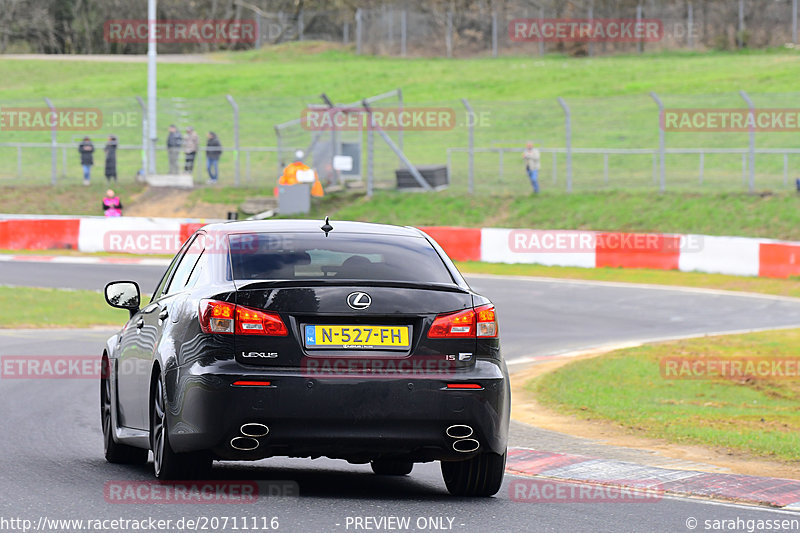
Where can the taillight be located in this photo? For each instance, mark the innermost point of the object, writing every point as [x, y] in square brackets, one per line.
[254, 322]
[471, 323]
[459, 324]
[216, 316]
[224, 317]
[487, 321]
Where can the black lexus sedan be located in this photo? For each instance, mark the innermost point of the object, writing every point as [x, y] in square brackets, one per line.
[346, 340]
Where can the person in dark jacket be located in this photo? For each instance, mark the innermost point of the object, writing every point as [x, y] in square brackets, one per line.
[174, 142]
[86, 149]
[213, 152]
[111, 158]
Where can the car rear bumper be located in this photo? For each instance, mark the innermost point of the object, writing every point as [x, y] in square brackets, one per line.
[355, 417]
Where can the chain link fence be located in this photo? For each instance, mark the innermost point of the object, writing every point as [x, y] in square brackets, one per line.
[614, 142]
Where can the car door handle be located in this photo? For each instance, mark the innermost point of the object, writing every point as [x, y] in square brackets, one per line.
[140, 323]
[163, 315]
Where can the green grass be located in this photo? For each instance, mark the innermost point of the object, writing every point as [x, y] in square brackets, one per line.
[44, 308]
[775, 216]
[283, 71]
[227, 195]
[515, 97]
[63, 199]
[779, 287]
[738, 214]
[755, 415]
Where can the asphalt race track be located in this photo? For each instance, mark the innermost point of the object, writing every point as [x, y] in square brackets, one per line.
[52, 465]
[537, 317]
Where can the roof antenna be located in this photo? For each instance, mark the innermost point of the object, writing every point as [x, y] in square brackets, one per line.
[327, 228]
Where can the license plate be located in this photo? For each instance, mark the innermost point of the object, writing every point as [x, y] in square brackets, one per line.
[358, 337]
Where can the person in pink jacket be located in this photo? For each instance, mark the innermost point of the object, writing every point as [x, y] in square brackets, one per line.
[112, 205]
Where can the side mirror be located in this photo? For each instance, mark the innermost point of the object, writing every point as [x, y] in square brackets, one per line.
[123, 294]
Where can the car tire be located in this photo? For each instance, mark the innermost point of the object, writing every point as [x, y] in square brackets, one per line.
[167, 464]
[114, 451]
[481, 475]
[389, 467]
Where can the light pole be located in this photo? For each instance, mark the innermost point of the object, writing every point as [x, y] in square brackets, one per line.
[151, 83]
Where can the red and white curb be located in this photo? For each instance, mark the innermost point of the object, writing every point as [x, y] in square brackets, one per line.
[775, 492]
[589, 249]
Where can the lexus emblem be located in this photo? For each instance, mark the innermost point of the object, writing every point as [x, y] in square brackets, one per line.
[359, 300]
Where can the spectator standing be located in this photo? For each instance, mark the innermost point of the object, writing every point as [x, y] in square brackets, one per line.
[111, 158]
[213, 152]
[86, 149]
[532, 163]
[190, 145]
[112, 205]
[174, 142]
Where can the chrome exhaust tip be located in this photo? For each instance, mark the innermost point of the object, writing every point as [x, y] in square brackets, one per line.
[244, 444]
[459, 431]
[466, 445]
[254, 429]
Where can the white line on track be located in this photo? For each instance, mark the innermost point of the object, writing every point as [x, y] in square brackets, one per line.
[633, 344]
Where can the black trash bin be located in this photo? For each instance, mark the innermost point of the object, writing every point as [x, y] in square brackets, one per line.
[435, 175]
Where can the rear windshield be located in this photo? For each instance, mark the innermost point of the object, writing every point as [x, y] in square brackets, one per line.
[348, 256]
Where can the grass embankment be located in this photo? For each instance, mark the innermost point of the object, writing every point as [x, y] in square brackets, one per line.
[757, 415]
[737, 214]
[515, 97]
[63, 199]
[286, 68]
[44, 308]
[68, 199]
[773, 216]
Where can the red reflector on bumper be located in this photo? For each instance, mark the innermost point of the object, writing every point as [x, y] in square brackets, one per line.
[252, 383]
[464, 386]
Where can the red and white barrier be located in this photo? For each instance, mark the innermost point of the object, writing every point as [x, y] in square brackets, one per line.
[39, 234]
[533, 247]
[738, 256]
[724, 255]
[689, 253]
[779, 260]
[134, 235]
